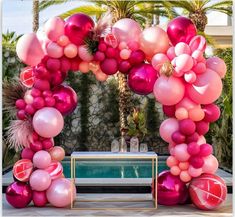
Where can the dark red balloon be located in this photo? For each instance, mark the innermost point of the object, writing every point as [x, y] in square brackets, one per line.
[18, 194]
[109, 66]
[141, 79]
[169, 110]
[137, 57]
[39, 198]
[65, 99]
[181, 29]
[78, 27]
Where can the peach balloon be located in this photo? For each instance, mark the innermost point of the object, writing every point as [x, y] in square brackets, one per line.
[184, 165]
[84, 54]
[194, 172]
[171, 53]
[218, 65]
[94, 66]
[187, 103]
[196, 114]
[171, 161]
[206, 89]
[54, 28]
[122, 45]
[181, 153]
[71, 50]
[175, 170]
[84, 67]
[190, 77]
[100, 76]
[57, 153]
[184, 62]
[63, 40]
[168, 127]
[210, 164]
[125, 54]
[158, 60]
[149, 38]
[201, 140]
[181, 113]
[185, 177]
[182, 48]
[54, 50]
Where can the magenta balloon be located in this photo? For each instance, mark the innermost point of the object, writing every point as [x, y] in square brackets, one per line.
[39, 198]
[29, 49]
[48, 122]
[18, 194]
[174, 87]
[167, 128]
[212, 112]
[187, 127]
[141, 79]
[169, 110]
[60, 193]
[171, 190]
[126, 30]
[40, 180]
[109, 66]
[202, 127]
[78, 27]
[181, 29]
[66, 99]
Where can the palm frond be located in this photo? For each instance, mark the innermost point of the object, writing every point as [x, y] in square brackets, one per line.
[48, 3]
[209, 39]
[185, 4]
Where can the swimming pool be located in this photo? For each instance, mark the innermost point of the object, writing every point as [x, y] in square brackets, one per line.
[112, 169]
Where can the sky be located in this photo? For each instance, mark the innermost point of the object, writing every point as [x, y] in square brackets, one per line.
[17, 15]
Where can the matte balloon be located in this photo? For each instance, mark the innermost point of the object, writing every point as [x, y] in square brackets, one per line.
[198, 42]
[167, 128]
[100, 76]
[158, 60]
[201, 140]
[48, 122]
[39, 198]
[187, 127]
[218, 65]
[178, 137]
[193, 148]
[184, 165]
[181, 153]
[63, 40]
[40, 180]
[199, 68]
[54, 50]
[196, 161]
[172, 161]
[71, 51]
[210, 164]
[205, 150]
[185, 176]
[175, 170]
[109, 66]
[194, 172]
[27, 153]
[184, 63]
[182, 48]
[190, 77]
[41, 159]
[187, 103]
[192, 138]
[57, 153]
[84, 67]
[196, 114]
[169, 110]
[171, 53]
[29, 49]
[54, 28]
[181, 113]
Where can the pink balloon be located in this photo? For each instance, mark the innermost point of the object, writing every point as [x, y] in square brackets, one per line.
[185, 176]
[39, 198]
[61, 192]
[29, 49]
[187, 104]
[210, 164]
[48, 122]
[43, 39]
[167, 128]
[41, 159]
[196, 161]
[198, 42]
[212, 112]
[182, 48]
[126, 30]
[171, 53]
[181, 153]
[181, 113]
[148, 39]
[71, 51]
[174, 87]
[84, 54]
[54, 50]
[40, 180]
[172, 161]
[194, 172]
[199, 68]
[190, 77]
[184, 62]
[187, 127]
[201, 140]
[54, 28]
[158, 60]
[218, 65]
[178, 137]
[206, 89]
[198, 55]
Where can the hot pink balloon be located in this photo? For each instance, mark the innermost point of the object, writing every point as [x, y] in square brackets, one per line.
[167, 128]
[181, 29]
[126, 30]
[212, 112]
[218, 65]
[39, 198]
[206, 89]
[210, 164]
[148, 39]
[40, 180]
[41, 159]
[181, 153]
[61, 192]
[174, 87]
[48, 122]
[29, 49]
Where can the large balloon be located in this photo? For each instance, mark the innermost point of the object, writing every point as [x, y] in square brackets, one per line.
[141, 79]
[167, 128]
[29, 49]
[206, 89]
[19, 194]
[48, 122]
[218, 65]
[78, 27]
[61, 192]
[149, 38]
[126, 30]
[181, 29]
[66, 99]
[172, 86]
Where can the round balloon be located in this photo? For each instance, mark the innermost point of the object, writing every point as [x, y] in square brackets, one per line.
[40, 180]
[167, 128]
[57, 153]
[22, 170]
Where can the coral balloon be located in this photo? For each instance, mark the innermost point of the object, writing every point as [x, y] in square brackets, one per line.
[41, 159]
[54, 28]
[22, 170]
[167, 128]
[172, 161]
[40, 180]
[84, 67]
[196, 114]
[39, 198]
[218, 65]
[181, 113]
[71, 51]
[184, 165]
[100, 76]
[175, 170]
[181, 153]
[185, 177]
[210, 164]
[57, 153]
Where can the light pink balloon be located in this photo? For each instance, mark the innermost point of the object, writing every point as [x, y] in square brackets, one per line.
[40, 180]
[182, 48]
[48, 122]
[197, 55]
[54, 28]
[44, 41]
[198, 42]
[184, 62]
[158, 60]
[201, 140]
[84, 54]
[126, 30]
[172, 86]
[41, 159]
[187, 104]
[54, 50]
[171, 53]
[28, 98]
[168, 127]
[206, 89]
[61, 192]
[149, 38]
[125, 54]
[181, 153]
[194, 172]
[29, 49]
[190, 77]
[210, 164]
[218, 65]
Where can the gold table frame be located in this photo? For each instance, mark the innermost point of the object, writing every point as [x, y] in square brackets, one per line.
[114, 156]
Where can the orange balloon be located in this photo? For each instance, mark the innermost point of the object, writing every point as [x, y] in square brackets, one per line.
[171, 161]
[84, 67]
[196, 114]
[175, 170]
[63, 40]
[181, 113]
[183, 165]
[57, 153]
[100, 76]
[71, 51]
[185, 177]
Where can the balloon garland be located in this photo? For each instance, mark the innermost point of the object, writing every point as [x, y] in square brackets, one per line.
[170, 64]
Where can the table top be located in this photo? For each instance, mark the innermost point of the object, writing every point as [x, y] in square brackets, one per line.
[114, 155]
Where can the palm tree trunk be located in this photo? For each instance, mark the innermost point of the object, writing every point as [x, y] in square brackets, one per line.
[35, 15]
[199, 19]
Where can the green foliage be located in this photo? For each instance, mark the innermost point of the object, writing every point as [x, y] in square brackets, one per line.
[152, 117]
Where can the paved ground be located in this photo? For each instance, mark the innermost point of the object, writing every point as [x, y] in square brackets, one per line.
[184, 210]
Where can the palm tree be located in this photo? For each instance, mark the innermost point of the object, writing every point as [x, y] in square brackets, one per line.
[35, 15]
[197, 10]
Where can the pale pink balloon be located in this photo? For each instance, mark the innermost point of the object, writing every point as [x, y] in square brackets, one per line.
[149, 38]
[44, 41]
[41, 159]
[54, 50]
[54, 28]
[206, 89]
[168, 127]
[210, 164]
[196, 114]
[158, 60]
[28, 98]
[175, 170]
[122, 45]
[171, 53]
[84, 54]
[198, 42]
[71, 50]
[184, 165]
[184, 62]
[194, 172]
[181, 153]
[126, 30]
[201, 140]
[181, 113]
[63, 40]
[40, 180]
[48, 122]
[29, 49]
[171, 147]
[182, 48]
[184, 176]
[172, 86]
[125, 54]
[197, 55]
[190, 77]
[61, 192]
[84, 67]
[187, 104]
[100, 76]
[218, 65]
[171, 161]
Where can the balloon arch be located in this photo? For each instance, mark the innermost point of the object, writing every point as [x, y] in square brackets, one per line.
[171, 64]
